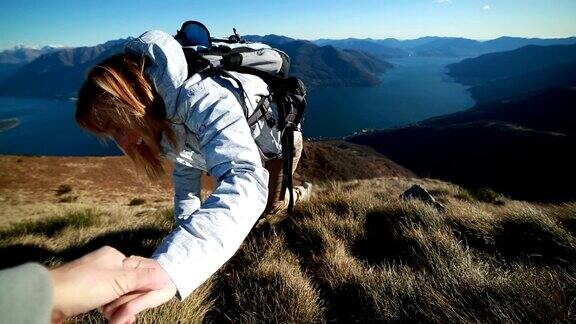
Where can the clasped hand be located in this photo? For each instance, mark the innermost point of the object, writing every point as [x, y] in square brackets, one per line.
[122, 287]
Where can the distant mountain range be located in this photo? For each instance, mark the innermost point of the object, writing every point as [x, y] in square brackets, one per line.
[387, 48]
[22, 54]
[528, 69]
[271, 39]
[327, 65]
[60, 73]
[12, 59]
[439, 46]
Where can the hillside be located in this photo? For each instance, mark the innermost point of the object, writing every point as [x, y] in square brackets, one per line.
[60, 73]
[458, 47]
[525, 71]
[449, 47]
[29, 185]
[12, 59]
[520, 147]
[22, 54]
[355, 252]
[549, 77]
[271, 39]
[507, 43]
[386, 49]
[497, 66]
[329, 66]
[551, 110]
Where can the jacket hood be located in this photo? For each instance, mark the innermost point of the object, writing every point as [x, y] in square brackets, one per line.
[167, 67]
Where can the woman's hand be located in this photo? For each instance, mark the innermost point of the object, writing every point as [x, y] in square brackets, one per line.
[98, 278]
[124, 309]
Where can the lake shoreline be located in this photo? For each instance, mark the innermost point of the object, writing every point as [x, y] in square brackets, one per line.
[9, 123]
[413, 90]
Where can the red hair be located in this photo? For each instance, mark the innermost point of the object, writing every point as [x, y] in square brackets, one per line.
[117, 95]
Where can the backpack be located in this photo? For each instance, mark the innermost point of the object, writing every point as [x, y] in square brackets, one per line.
[212, 56]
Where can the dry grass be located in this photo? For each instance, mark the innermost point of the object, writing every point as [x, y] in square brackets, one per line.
[355, 252]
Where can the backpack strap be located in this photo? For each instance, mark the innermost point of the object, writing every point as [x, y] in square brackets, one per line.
[260, 112]
[199, 64]
[287, 161]
[244, 96]
[196, 62]
[291, 105]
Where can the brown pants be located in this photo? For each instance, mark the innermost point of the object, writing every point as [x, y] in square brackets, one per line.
[278, 201]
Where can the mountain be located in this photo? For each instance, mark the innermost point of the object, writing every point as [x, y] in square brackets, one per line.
[449, 46]
[548, 77]
[22, 54]
[521, 146]
[272, 40]
[495, 66]
[528, 69]
[329, 66]
[411, 43]
[59, 74]
[12, 59]
[331, 160]
[440, 46]
[384, 48]
[503, 44]
[552, 111]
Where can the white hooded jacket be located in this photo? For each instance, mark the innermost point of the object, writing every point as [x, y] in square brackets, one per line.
[213, 135]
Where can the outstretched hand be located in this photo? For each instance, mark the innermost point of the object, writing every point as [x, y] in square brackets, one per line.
[98, 278]
[124, 309]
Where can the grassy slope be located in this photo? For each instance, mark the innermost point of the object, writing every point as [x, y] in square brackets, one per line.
[518, 147]
[29, 186]
[354, 252]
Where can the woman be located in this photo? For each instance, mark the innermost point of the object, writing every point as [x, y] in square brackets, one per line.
[143, 99]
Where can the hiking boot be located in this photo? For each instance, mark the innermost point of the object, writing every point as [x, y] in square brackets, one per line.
[306, 191]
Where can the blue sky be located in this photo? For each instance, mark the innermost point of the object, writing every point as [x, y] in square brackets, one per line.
[76, 23]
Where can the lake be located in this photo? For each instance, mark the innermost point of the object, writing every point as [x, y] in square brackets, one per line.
[47, 127]
[415, 89]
